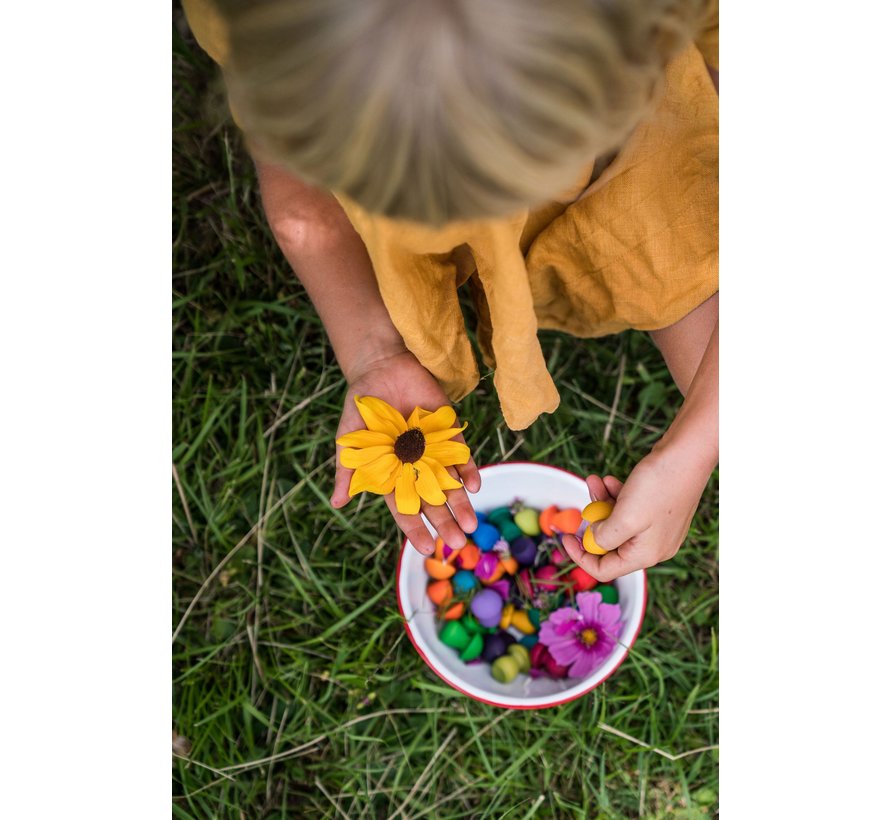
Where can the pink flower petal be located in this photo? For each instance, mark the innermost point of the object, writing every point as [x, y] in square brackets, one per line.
[568, 627]
[588, 604]
[603, 648]
[566, 651]
[547, 633]
[610, 619]
[584, 664]
[559, 616]
[560, 622]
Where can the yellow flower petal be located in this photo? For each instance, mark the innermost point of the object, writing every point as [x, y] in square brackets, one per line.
[390, 484]
[417, 414]
[380, 417]
[443, 418]
[448, 453]
[377, 477]
[443, 477]
[359, 458]
[407, 499]
[444, 435]
[365, 438]
[427, 486]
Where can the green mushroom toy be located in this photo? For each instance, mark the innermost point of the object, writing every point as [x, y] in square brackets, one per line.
[473, 649]
[454, 635]
[471, 625]
[500, 516]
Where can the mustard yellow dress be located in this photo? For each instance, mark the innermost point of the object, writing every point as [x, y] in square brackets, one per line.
[637, 248]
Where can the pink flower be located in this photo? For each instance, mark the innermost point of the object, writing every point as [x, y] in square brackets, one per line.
[582, 638]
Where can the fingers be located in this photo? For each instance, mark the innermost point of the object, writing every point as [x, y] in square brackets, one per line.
[340, 496]
[449, 521]
[589, 563]
[604, 568]
[604, 489]
[444, 524]
[597, 489]
[350, 420]
[620, 526]
[413, 528]
[460, 505]
[469, 473]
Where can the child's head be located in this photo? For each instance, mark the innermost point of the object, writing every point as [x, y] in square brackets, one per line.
[436, 110]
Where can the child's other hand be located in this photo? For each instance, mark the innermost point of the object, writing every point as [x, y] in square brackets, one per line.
[400, 380]
[651, 518]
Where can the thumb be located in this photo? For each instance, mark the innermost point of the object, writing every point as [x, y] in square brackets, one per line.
[620, 526]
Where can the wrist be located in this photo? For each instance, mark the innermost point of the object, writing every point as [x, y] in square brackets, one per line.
[690, 447]
[376, 352]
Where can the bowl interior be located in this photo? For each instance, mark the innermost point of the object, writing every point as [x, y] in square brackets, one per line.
[538, 486]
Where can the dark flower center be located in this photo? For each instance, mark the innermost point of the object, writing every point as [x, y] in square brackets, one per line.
[410, 445]
[588, 637]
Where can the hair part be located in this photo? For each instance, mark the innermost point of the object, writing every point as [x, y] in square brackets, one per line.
[438, 110]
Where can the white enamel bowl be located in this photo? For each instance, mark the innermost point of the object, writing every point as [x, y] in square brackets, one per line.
[538, 486]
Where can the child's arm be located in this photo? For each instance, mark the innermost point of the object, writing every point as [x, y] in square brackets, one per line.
[330, 260]
[654, 508]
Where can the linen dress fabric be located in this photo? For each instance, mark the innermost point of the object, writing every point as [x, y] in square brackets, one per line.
[636, 248]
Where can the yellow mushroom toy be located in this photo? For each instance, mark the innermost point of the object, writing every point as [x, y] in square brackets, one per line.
[595, 511]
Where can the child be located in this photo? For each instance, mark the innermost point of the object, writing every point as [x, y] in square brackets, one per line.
[560, 159]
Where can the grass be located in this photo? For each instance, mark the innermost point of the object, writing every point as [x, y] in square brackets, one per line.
[296, 692]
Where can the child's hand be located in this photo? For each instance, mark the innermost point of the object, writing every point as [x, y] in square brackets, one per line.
[401, 381]
[651, 518]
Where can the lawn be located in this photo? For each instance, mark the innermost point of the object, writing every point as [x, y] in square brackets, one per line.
[296, 691]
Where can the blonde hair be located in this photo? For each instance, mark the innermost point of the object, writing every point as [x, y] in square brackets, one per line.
[437, 110]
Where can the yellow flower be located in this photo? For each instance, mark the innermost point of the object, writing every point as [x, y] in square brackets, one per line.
[406, 455]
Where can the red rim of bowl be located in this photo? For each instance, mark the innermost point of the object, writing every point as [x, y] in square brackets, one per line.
[494, 702]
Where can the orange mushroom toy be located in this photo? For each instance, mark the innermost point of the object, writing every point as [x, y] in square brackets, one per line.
[438, 568]
[554, 519]
[454, 611]
[440, 592]
[468, 557]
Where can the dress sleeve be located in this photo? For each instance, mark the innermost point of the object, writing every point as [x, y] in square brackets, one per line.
[708, 38]
[208, 27]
